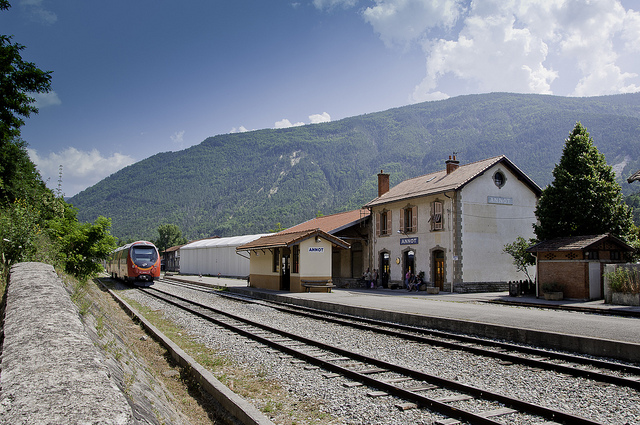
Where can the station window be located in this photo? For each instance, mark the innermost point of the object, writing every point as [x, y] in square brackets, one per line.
[409, 220]
[499, 179]
[295, 266]
[615, 255]
[384, 223]
[436, 216]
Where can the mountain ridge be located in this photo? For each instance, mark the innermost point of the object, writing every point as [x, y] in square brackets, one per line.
[242, 183]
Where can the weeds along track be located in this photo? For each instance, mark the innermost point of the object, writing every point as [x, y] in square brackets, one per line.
[414, 388]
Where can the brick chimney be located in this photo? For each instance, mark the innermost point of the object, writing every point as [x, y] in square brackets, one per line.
[452, 164]
[383, 183]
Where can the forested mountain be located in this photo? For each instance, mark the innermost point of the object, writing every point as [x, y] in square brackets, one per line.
[246, 183]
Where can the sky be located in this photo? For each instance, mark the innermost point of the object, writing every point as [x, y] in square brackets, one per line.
[137, 77]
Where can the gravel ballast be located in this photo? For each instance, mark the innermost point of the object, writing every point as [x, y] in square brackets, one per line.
[596, 401]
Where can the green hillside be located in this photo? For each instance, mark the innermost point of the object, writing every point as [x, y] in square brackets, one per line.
[245, 183]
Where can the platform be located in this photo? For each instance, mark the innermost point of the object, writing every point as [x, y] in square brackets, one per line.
[582, 330]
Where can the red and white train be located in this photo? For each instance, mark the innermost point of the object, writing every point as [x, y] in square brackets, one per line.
[136, 262]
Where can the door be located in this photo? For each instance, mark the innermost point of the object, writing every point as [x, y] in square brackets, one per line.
[595, 277]
[438, 269]
[285, 276]
[409, 265]
[384, 269]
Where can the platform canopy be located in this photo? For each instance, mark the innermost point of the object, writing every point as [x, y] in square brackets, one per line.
[287, 239]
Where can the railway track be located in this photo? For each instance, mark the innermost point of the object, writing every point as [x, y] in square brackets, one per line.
[601, 370]
[386, 378]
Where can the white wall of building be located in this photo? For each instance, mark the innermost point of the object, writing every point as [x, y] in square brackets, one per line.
[216, 256]
[491, 218]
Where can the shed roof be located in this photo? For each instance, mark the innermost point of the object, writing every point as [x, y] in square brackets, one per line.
[577, 243]
[216, 242]
[332, 223]
[440, 181]
[287, 239]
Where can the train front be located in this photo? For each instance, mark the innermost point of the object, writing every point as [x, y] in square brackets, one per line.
[144, 262]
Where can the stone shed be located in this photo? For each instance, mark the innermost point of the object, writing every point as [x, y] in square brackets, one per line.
[577, 263]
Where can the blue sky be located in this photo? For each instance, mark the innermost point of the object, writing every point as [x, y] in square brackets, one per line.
[138, 77]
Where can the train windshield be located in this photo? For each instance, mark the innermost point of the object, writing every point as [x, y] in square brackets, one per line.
[144, 256]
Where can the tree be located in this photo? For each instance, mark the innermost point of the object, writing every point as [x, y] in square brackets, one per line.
[17, 80]
[584, 197]
[170, 235]
[521, 258]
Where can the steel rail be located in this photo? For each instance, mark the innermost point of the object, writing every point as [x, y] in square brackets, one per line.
[450, 411]
[345, 319]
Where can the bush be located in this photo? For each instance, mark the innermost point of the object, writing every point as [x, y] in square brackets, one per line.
[624, 280]
[552, 287]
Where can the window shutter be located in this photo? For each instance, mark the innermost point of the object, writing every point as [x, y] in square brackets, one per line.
[414, 219]
[388, 222]
[379, 218]
[437, 214]
[402, 229]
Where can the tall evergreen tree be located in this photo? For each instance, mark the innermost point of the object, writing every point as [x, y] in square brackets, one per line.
[584, 197]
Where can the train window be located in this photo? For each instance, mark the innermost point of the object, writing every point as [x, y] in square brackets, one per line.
[143, 256]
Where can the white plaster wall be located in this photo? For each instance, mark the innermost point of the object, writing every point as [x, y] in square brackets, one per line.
[488, 227]
[315, 264]
[427, 239]
[262, 263]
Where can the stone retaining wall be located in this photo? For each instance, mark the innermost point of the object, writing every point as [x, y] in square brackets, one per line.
[51, 371]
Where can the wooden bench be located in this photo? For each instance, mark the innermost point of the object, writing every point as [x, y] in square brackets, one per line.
[317, 284]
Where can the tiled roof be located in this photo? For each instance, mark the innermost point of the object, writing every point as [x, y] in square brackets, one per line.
[286, 238]
[440, 181]
[635, 176]
[576, 243]
[332, 223]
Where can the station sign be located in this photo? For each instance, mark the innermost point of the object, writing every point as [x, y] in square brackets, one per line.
[316, 249]
[409, 241]
[499, 200]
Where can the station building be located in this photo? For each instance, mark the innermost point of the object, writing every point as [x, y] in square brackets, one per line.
[292, 260]
[347, 265]
[453, 225]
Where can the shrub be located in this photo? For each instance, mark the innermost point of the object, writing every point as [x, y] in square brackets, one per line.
[624, 280]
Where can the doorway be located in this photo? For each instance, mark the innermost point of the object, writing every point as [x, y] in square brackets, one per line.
[437, 264]
[385, 268]
[285, 274]
[409, 260]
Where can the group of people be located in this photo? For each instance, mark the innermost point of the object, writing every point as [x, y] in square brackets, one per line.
[370, 279]
[411, 281]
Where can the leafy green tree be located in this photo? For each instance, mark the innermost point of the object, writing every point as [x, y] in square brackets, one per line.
[521, 258]
[584, 197]
[170, 235]
[17, 80]
[18, 230]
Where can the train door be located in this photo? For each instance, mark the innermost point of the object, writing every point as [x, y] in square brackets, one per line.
[437, 265]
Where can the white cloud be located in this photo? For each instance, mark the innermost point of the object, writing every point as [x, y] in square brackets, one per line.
[285, 123]
[46, 99]
[80, 169]
[178, 138]
[319, 118]
[240, 129]
[330, 4]
[38, 12]
[401, 21]
[566, 47]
